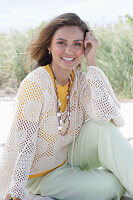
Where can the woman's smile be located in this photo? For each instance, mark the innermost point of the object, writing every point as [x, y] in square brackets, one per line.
[67, 48]
[68, 60]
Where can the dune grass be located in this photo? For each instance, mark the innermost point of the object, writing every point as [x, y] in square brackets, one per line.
[114, 57]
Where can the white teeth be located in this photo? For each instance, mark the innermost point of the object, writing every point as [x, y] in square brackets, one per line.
[68, 59]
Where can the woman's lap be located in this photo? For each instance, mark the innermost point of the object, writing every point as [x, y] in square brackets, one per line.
[94, 147]
[67, 184]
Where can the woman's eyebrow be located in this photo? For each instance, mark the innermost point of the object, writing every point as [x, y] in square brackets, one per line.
[61, 39]
[78, 40]
[73, 40]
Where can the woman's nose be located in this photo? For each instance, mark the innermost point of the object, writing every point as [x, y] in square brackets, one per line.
[68, 49]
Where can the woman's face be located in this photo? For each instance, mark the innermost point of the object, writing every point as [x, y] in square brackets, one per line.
[67, 47]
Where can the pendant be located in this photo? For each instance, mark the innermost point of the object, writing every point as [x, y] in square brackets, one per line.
[61, 122]
[59, 128]
[67, 97]
[58, 114]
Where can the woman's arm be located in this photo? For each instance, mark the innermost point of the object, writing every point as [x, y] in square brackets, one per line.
[90, 48]
[21, 144]
[100, 103]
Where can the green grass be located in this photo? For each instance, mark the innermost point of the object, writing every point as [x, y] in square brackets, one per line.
[114, 57]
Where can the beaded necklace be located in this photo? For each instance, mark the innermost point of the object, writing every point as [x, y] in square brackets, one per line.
[59, 114]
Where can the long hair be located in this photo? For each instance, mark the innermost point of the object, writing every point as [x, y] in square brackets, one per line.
[37, 49]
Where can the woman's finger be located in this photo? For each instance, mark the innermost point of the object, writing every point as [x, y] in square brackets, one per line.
[7, 196]
[90, 33]
[91, 40]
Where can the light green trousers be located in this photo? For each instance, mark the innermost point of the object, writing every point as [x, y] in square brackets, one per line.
[97, 145]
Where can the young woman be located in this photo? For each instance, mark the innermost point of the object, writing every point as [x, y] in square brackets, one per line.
[65, 125]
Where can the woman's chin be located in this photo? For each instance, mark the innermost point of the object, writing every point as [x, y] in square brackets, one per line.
[69, 65]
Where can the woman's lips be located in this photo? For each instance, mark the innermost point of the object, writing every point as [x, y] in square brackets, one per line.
[67, 60]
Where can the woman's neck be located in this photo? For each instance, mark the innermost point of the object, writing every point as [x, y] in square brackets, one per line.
[61, 75]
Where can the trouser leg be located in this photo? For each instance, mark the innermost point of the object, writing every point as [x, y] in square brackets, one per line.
[117, 154]
[66, 184]
[85, 152]
[104, 145]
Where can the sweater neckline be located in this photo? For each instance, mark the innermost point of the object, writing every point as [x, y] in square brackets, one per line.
[74, 87]
[47, 67]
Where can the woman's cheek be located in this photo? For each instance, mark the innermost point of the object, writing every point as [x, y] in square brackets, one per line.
[57, 50]
[80, 52]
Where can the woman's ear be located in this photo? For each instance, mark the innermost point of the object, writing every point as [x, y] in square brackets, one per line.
[49, 49]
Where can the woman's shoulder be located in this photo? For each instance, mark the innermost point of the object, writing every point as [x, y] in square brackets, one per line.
[93, 73]
[40, 73]
[38, 76]
[80, 75]
[81, 80]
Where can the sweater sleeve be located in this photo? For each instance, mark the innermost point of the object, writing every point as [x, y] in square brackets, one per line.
[99, 101]
[21, 143]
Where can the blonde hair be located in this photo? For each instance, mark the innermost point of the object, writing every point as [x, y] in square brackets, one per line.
[37, 49]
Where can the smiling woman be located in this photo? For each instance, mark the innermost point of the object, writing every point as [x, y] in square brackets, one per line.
[66, 52]
[65, 125]
[46, 36]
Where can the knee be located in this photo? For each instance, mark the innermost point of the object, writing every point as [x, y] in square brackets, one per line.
[90, 130]
[90, 125]
[95, 126]
[110, 130]
[109, 124]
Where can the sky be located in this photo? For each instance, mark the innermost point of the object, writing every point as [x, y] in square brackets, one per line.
[25, 14]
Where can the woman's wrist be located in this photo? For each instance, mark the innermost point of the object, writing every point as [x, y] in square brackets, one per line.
[91, 62]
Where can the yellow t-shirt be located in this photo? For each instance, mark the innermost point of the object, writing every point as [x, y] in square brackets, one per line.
[62, 90]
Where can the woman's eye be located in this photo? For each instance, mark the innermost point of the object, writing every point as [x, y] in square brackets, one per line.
[77, 44]
[61, 42]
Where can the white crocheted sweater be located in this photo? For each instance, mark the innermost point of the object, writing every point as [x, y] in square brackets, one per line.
[34, 145]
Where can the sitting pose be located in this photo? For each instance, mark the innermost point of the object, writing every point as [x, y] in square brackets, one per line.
[64, 142]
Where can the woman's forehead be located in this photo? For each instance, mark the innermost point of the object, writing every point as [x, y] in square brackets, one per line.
[65, 32]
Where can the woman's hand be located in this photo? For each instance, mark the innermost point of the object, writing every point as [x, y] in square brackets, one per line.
[91, 46]
[7, 197]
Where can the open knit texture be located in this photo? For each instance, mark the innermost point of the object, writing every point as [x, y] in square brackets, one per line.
[34, 145]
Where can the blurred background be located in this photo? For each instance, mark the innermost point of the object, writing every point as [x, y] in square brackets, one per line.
[112, 22]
